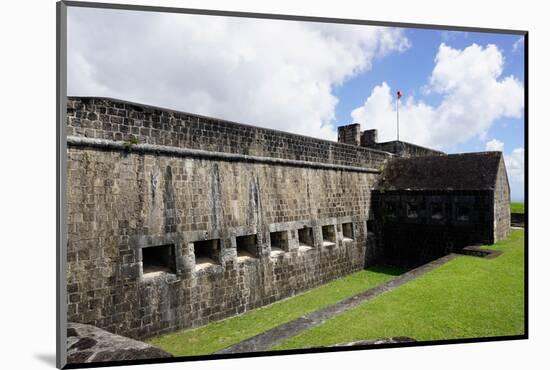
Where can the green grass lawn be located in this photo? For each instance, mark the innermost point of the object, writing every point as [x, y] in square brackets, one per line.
[468, 297]
[221, 334]
[517, 207]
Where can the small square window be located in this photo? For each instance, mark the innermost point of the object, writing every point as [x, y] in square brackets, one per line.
[329, 235]
[347, 231]
[463, 212]
[305, 237]
[412, 210]
[437, 210]
[391, 208]
[279, 241]
[158, 259]
[247, 246]
[207, 252]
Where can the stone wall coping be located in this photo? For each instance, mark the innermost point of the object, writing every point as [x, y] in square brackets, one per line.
[144, 148]
[174, 111]
[409, 144]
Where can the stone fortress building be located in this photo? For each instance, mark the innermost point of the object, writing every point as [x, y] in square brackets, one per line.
[176, 220]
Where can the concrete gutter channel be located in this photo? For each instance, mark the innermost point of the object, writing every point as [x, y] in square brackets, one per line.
[270, 338]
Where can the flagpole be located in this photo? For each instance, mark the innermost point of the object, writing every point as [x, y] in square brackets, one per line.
[397, 105]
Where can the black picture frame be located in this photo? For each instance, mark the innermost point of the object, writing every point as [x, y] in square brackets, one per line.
[61, 161]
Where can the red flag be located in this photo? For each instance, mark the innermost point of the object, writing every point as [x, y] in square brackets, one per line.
[399, 94]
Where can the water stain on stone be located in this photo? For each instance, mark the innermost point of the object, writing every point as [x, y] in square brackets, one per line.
[154, 183]
[216, 197]
[141, 182]
[169, 200]
[254, 206]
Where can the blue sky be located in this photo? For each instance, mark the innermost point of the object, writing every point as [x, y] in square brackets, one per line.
[410, 71]
[462, 91]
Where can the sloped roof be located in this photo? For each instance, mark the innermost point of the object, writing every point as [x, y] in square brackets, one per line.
[467, 171]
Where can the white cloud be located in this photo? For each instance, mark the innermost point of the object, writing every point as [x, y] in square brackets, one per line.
[494, 145]
[514, 162]
[473, 92]
[272, 73]
[451, 35]
[518, 44]
[514, 165]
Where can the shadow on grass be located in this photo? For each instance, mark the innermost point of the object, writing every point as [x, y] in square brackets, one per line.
[388, 269]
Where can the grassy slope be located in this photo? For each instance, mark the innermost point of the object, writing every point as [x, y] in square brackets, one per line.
[221, 334]
[517, 207]
[468, 297]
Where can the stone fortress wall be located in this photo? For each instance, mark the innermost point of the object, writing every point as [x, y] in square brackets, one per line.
[176, 220]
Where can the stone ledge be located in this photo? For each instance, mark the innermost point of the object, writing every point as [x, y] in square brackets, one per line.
[477, 251]
[75, 141]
